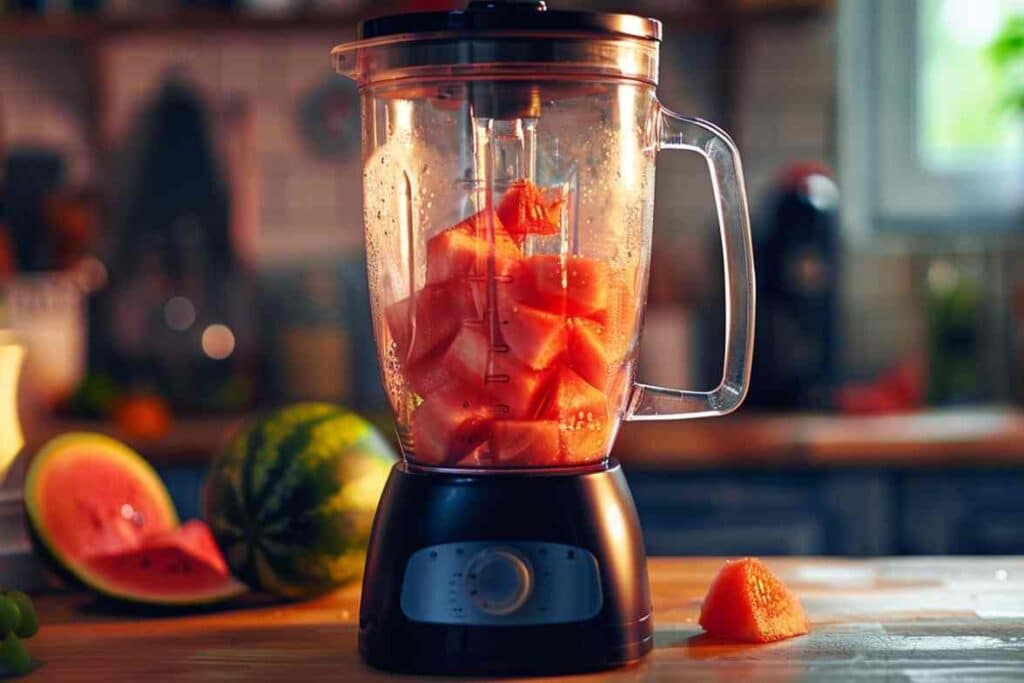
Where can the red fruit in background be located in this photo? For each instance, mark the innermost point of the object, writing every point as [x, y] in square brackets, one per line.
[427, 320]
[462, 251]
[573, 285]
[449, 424]
[747, 603]
[513, 389]
[144, 417]
[525, 210]
[585, 351]
[532, 443]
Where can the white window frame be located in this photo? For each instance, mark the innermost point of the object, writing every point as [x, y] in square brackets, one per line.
[885, 186]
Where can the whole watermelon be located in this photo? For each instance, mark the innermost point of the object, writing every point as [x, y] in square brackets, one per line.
[291, 501]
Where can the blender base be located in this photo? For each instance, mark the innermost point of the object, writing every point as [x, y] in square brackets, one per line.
[505, 573]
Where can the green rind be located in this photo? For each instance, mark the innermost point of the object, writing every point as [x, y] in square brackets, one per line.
[315, 458]
[231, 589]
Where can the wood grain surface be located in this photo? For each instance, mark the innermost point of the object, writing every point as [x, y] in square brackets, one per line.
[915, 619]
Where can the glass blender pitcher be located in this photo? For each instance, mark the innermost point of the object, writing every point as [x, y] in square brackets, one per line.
[509, 162]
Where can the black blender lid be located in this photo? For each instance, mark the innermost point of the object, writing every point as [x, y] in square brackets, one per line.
[512, 16]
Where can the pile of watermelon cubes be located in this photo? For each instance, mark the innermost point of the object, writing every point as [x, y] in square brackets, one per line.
[512, 354]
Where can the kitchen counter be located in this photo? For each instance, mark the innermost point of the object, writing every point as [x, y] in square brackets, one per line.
[952, 619]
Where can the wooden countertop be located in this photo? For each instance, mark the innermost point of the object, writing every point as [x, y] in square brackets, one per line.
[990, 437]
[951, 618]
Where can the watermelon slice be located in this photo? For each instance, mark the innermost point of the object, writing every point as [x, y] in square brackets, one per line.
[100, 512]
[747, 603]
[527, 443]
[428, 320]
[573, 285]
[183, 566]
[449, 424]
[512, 388]
[585, 351]
[525, 210]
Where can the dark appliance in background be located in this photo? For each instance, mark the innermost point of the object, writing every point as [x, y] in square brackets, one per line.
[797, 255]
[179, 316]
[796, 249]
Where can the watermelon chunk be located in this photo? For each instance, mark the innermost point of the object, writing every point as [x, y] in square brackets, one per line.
[422, 323]
[573, 285]
[449, 424]
[585, 351]
[513, 389]
[747, 603]
[528, 443]
[581, 410]
[462, 251]
[525, 210]
[535, 337]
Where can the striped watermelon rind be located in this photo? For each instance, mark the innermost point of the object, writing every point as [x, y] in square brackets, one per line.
[291, 500]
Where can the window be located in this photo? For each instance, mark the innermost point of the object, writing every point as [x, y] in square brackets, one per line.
[927, 139]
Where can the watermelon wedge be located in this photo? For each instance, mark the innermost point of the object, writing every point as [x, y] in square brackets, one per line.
[183, 566]
[747, 603]
[101, 514]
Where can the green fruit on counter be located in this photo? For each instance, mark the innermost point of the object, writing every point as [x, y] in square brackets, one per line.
[291, 500]
[14, 656]
[10, 616]
[28, 625]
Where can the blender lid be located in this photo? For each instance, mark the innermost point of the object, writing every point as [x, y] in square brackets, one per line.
[502, 41]
[530, 16]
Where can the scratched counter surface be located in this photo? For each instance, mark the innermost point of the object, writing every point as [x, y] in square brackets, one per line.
[922, 619]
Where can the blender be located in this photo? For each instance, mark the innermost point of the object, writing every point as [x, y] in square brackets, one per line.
[508, 181]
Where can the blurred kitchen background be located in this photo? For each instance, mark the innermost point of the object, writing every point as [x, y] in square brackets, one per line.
[181, 246]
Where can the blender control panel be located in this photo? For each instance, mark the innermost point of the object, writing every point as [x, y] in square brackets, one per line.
[506, 584]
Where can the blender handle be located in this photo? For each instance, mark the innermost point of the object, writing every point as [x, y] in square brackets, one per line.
[711, 142]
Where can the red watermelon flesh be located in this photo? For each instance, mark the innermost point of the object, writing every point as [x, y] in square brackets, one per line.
[461, 252]
[747, 603]
[525, 210]
[581, 411]
[586, 353]
[573, 285]
[87, 494]
[525, 443]
[448, 425]
[422, 323]
[181, 566]
[535, 337]
[514, 389]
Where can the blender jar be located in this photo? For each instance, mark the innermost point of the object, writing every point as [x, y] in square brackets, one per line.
[508, 176]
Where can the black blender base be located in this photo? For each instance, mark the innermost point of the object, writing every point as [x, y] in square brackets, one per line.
[577, 532]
